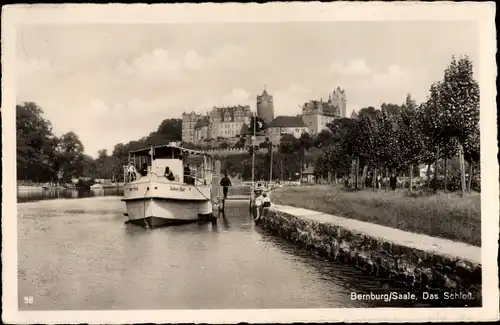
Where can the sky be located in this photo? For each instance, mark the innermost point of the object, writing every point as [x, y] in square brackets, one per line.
[116, 83]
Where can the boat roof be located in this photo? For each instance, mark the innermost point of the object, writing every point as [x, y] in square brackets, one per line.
[165, 148]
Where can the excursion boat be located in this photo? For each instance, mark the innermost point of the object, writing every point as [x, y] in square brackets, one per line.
[162, 189]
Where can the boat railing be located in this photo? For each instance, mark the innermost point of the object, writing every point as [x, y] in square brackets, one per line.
[130, 174]
[197, 175]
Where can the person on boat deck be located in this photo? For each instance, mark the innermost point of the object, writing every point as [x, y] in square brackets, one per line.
[168, 174]
[225, 182]
[187, 175]
[131, 172]
[144, 169]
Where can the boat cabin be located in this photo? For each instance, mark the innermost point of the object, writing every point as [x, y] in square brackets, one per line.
[176, 164]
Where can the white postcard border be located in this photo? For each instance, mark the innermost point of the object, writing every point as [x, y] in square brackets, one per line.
[483, 13]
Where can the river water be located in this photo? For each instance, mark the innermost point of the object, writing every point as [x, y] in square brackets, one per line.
[76, 253]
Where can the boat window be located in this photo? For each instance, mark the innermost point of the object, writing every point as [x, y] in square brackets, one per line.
[167, 153]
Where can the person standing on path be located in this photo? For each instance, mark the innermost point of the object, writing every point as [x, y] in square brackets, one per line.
[378, 182]
[393, 181]
[261, 202]
[225, 182]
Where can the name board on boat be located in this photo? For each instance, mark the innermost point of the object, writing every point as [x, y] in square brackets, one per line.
[133, 188]
[177, 189]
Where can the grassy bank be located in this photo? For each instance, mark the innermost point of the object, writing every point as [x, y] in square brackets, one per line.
[444, 215]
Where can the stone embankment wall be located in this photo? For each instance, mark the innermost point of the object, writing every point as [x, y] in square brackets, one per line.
[418, 263]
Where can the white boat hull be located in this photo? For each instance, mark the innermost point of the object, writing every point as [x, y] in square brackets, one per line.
[168, 211]
[155, 202]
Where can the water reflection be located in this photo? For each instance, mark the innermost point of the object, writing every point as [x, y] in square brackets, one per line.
[225, 221]
[38, 195]
[332, 271]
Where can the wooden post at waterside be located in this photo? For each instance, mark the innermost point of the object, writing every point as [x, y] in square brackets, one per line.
[216, 184]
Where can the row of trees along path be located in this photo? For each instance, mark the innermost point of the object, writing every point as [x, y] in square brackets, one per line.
[445, 125]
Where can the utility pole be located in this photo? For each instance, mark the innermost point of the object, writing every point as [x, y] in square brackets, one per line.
[253, 149]
[271, 164]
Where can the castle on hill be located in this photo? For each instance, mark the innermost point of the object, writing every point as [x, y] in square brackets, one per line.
[230, 122]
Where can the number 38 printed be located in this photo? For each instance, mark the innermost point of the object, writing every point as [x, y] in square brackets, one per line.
[28, 300]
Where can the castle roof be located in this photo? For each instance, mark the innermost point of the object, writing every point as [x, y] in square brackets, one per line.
[286, 121]
[191, 113]
[354, 115]
[221, 111]
[264, 94]
[327, 107]
[204, 121]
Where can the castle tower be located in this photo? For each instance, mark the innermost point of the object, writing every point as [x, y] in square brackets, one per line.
[339, 99]
[188, 123]
[265, 106]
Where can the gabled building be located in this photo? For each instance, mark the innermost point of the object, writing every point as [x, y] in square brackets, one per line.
[226, 122]
[189, 121]
[202, 130]
[318, 113]
[308, 176]
[281, 125]
[220, 122]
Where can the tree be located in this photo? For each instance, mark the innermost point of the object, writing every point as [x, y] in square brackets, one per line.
[386, 143]
[459, 102]
[119, 151]
[306, 141]
[89, 167]
[371, 112]
[70, 155]
[431, 126]
[102, 154]
[392, 110]
[170, 129]
[288, 144]
[322, 138]
[472, 154]
[240, 144]
[35, 144]
[411, 141]
[363, 134]
[334, 159]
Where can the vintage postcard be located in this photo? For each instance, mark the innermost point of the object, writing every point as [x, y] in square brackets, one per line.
[259, 163]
